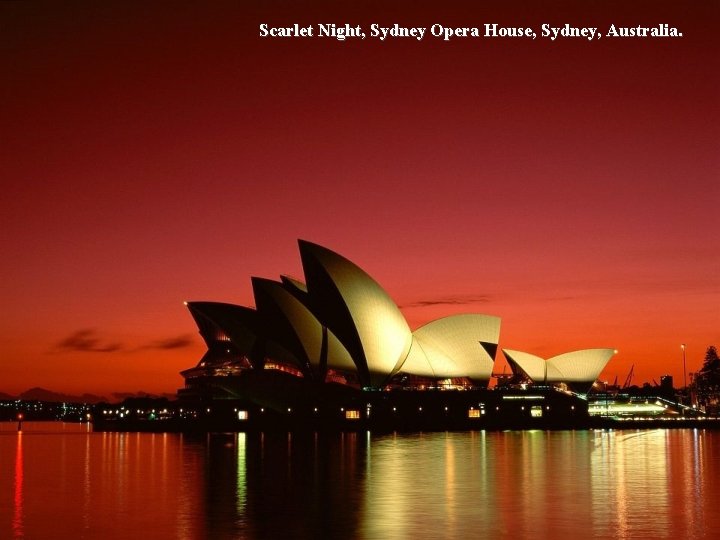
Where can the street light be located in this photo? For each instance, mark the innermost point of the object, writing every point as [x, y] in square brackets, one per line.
[682, 346]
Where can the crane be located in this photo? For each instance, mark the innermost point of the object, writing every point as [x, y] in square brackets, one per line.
[629, 377]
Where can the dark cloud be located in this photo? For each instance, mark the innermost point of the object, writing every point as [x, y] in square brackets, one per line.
[87, 340]
[449, 301]
[178, 342]
[90, 340]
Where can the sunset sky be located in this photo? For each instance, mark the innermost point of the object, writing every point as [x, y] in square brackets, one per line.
[158, 153]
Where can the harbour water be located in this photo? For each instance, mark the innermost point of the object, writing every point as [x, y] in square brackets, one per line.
[64, 481]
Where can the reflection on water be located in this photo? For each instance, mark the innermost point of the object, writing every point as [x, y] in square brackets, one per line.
[657, 481]
[17, 521]
[62, 481]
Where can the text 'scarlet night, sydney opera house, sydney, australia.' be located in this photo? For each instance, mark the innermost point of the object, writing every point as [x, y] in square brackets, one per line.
[335, 350]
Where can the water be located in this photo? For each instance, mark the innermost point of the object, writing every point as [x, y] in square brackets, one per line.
[63, 481]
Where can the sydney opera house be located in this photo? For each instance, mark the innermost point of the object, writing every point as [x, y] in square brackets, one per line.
[336, 348]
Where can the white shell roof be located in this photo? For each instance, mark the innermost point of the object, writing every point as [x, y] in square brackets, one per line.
[577, 366]
[384, 334]
[307, 328]
[452, 345]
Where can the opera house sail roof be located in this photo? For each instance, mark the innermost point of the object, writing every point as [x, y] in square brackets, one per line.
[341, 326]
[577, 369]
[362, 314]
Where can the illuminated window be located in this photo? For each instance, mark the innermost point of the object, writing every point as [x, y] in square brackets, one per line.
[536, 411]
[285, 368]
[352, 414]
[242, 415]
[474, 413]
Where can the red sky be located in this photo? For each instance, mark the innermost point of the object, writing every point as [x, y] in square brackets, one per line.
[155, 154]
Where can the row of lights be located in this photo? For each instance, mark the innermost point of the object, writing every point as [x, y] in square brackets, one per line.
[669, 419]
[123, 410]
[420, 409]
[242, 415]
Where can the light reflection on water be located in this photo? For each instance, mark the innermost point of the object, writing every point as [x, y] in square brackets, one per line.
[62, 481]
[17, 520]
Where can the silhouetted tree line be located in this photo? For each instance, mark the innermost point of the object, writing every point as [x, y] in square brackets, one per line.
[707, 381]
[712, 361]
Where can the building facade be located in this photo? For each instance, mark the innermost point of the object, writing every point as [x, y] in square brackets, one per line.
[339, 339]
